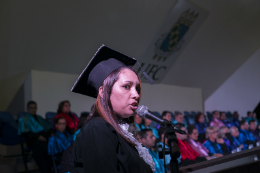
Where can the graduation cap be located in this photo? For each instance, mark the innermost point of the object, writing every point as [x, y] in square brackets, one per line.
[105, 61]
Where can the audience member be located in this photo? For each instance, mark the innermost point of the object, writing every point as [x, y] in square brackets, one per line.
[222, 118]
[215, 121]
[253, 130]
[195, 144]
[244, 131]
[146, 124]
[201, 126]
[36, 132]
[236, 119]
[71, 119]
[250, 117]
[223, 141]
[238, 138]
[188, 155]
[60, 141]
[179, 119]
[166, 115]
[148, 140]
[211, 144]
[138, 122]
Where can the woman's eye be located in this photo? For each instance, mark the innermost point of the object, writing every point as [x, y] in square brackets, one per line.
[127, 86]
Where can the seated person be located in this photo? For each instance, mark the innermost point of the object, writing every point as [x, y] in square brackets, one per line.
[188, 155]
[250, 116]
[236, 119]
[138, 122]
[226, 145]
[201, 126]
[146, 125]
[60, 141]
[36, 132]
[211, 144]
[148, 140]
[71, 119]
[245, 133]
[166, 115]
[223, 119]
[238, 139]
[195, 144]
[179, 119]
[161, 132]
[215, 121]
[253, 130]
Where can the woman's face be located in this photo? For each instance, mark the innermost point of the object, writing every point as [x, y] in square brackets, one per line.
[201, 119]
[125, 94]
[66, 108]
[137, 119]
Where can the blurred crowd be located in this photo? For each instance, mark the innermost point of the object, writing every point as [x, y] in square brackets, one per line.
[204, 140]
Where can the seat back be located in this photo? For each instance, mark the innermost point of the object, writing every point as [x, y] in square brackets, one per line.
[49, 116]
[8, 129]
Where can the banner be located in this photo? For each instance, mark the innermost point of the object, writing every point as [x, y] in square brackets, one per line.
[171, 39]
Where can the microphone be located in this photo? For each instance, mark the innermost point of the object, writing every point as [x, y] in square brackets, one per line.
[144, 112]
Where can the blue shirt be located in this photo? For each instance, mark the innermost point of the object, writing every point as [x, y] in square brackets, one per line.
[227, 123]
[248, 135]
[213, 147]
[201, 127]
[158, 163]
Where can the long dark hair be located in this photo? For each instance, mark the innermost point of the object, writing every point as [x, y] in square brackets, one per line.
[61, 106]
[103, 107]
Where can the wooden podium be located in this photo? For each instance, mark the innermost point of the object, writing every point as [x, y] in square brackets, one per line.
[247, 161]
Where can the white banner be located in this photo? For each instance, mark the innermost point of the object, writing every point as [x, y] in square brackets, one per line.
[173, 36]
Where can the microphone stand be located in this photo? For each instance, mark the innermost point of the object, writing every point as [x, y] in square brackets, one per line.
[173, 145]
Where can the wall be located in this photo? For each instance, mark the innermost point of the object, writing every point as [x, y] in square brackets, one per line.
[241, 92]
[49, 88]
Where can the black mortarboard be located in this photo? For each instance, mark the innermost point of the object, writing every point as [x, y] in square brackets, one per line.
[105, 61]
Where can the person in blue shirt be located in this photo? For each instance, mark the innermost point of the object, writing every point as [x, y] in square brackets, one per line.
[148, 140]
[244, 131]
[60, 141]
[238, 139]
[236, 119]
[166, 115]
[211, 144]
[250, 117]
[222, 118]
[179, 119]
[201, 126]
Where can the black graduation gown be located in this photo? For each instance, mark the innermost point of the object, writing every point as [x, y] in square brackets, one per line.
[98, 148]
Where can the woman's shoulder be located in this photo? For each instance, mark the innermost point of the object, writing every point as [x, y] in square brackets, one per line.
[97, 125]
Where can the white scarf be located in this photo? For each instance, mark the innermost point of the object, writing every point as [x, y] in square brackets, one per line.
[143, 152]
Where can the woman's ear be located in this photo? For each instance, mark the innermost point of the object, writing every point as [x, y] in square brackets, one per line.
[100, 92]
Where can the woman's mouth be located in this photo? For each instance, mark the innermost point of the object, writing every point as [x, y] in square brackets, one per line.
[134, 105]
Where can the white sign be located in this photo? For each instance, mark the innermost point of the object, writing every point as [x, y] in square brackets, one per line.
[173, 36]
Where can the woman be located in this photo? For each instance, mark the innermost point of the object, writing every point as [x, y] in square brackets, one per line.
[71, 119]
[195, 144]
[223, 141]
[104, 143]
[138, 122]
[211, 144]
[201, 126]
